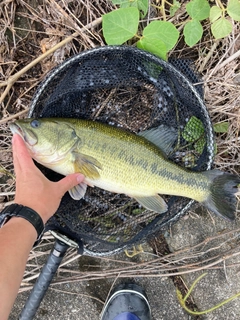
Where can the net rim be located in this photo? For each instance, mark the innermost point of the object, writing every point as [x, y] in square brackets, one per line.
[154, 59]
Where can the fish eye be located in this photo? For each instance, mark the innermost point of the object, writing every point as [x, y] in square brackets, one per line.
[35, 124]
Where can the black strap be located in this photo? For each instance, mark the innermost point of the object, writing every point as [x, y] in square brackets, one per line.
[17, 210]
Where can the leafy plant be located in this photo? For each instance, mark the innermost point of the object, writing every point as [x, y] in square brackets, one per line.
[159, 37]
[193, 132]
[121, 25]
[220, 25]
[221, 127]
[198, 10]
[141, 5]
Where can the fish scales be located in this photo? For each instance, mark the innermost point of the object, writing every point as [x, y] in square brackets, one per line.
[123, 162]
[121, 155]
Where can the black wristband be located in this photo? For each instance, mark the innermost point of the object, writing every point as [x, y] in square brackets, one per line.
[17, 210]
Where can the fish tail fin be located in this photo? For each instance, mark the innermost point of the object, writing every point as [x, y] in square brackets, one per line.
[222, 199]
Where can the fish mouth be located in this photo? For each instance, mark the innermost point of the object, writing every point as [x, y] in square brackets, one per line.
[28, 136]
[16, 129]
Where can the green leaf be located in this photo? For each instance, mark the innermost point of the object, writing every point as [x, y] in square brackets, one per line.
[141, 5]
[221, 127]
[200, 144]
[233, 9]
[173, 9]
[221, 28]
[198, 9]
[156, 47]
[138, 211]
[161, 30]
[215, 13]
[120, 25]
[159, 37]
[193, 130]
[192, 32]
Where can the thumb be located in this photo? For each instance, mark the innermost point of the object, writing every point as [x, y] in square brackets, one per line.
[70, 181]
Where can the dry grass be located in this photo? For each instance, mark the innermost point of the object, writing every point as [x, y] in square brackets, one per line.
[212, 253]
[223, 100]
[54, 30]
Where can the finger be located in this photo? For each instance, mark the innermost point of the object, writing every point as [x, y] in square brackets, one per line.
[70, 181]
[15, 157]
[21, 155]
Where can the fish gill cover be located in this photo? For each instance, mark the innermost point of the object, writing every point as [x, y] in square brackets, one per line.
[134, 90]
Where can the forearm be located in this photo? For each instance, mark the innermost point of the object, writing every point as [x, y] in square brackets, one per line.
[17, 238]
[18, 235]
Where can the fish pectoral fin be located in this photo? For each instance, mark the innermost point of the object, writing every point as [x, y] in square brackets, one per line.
[78, 191]
[162, 136]
[154, 203]
[87, 165]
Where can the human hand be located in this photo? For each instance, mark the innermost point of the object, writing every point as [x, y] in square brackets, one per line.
[33, 189]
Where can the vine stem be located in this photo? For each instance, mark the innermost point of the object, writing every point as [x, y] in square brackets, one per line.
[163, 10]
[182, 299]
[218, 2]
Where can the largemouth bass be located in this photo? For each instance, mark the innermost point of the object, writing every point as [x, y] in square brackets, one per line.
[122, 162]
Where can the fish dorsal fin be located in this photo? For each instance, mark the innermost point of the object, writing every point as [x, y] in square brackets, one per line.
[162, 136]
[78, 191]
[87, 165]
[154, 203]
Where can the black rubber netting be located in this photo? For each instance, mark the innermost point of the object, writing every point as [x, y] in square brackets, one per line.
[135, 90]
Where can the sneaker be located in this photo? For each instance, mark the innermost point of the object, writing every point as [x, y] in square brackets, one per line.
[127, 302]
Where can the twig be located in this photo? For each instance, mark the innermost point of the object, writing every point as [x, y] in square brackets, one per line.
[16, 115]
[208, 56]
[3, 194]
[218, 66]
[12, 79]
[153, 272]
[229, 59]
[113, 284]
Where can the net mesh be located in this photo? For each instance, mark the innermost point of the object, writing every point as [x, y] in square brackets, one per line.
[132, 89]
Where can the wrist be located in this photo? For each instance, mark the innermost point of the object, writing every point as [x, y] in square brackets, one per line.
[20, 211]
[36, 206]
[24, 225]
